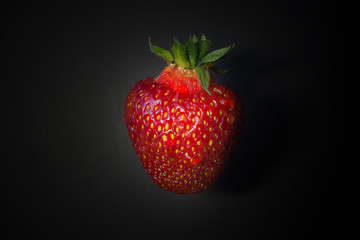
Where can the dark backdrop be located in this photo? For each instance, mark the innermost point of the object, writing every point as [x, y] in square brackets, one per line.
[70, 170]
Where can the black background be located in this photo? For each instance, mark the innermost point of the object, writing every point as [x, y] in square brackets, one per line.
[70, 170]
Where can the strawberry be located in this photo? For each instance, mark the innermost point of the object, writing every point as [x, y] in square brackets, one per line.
[182, 125]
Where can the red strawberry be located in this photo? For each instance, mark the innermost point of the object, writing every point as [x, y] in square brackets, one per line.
[183, 125]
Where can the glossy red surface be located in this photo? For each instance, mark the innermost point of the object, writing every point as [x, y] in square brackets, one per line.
[182, 139]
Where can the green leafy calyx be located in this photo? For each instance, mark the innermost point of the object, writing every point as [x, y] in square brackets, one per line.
[194, 56]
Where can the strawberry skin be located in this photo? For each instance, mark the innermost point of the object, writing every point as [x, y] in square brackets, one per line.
[182, 133]
[182, 139]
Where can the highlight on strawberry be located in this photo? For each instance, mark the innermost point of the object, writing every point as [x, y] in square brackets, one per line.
[182, 124]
